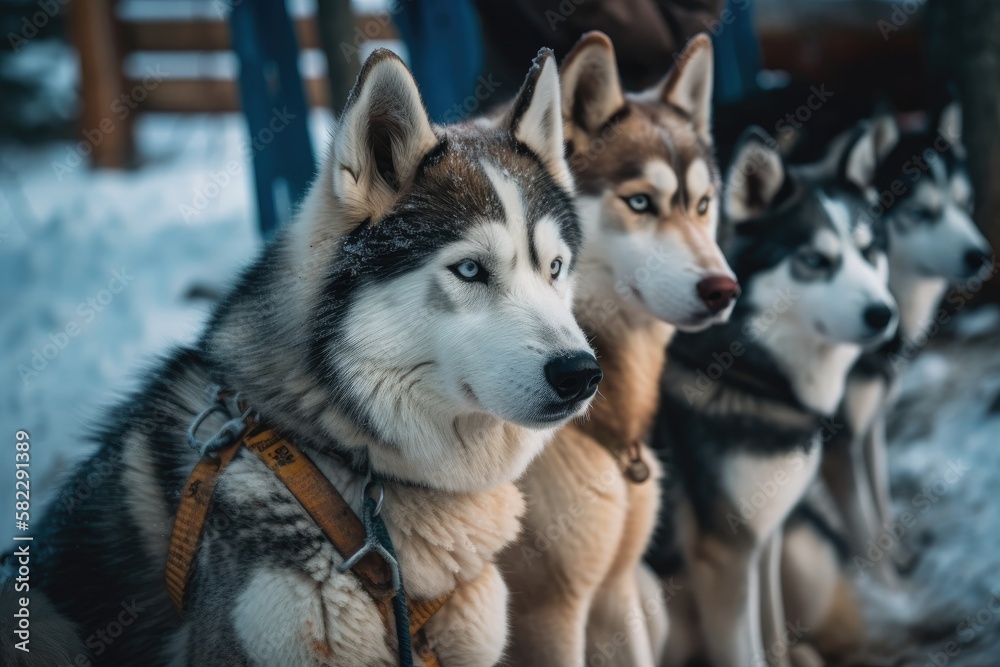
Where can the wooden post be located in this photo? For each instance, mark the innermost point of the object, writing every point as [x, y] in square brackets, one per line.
[102, 126]
[336, 27]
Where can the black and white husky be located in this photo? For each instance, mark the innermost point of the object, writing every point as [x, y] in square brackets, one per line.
[414, 321]
[744, 403]
[927, 198]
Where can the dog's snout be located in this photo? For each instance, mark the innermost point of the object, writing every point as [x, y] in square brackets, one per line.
[574, 376]
[877, 316]
[717, 292]
[975, 259]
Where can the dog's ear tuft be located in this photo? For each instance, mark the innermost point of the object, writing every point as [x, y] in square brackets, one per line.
[755, 177]
[885, 134]
[950, 123]
[591, 89]
[861, 158]
[535, 120]
[862, 154]
[381, 138]
[688, 86]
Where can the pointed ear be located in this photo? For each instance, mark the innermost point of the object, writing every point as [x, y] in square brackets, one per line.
[689, 85]
[591, 89]
[381, 138]
[950, 123]
[535, 120]
[861, 158]
[885, 134]
[755, 177]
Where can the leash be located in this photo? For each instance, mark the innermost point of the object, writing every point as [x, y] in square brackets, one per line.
[363, 543]
[376, 529]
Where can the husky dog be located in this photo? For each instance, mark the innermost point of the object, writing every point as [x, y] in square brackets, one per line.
[414, 323]
[933, 243]
[744, 403]
[648, 193]
[826, 619]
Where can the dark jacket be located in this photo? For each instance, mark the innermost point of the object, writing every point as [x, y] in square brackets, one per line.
[646, 33]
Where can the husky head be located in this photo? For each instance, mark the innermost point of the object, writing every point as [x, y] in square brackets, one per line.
[431, 284]
[648, 186]
[811, 260]
[931, 232]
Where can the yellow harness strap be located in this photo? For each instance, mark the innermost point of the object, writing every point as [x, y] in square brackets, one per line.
[196, 502]
[321, 501]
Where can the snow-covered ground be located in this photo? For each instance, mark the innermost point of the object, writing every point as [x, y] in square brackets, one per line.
[96, 269]
[945, 456]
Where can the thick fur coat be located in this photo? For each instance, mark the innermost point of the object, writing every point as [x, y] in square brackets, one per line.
[412, 322]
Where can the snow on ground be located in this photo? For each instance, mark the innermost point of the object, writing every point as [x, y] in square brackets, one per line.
[95, 271]
[945, 455]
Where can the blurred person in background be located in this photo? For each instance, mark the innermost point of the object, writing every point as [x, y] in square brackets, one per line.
[466, 55]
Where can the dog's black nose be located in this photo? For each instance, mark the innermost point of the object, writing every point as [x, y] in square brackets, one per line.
[718, 292]
[975, 259]
[574, 376]
[877, 316]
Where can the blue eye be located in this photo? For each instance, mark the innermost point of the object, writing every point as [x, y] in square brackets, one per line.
[555, 268]
[470, 271]
[814, 260]
[703, 205]
[639, 203]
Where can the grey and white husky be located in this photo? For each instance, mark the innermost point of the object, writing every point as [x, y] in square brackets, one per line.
[414, 323]
[743, 404]
[927, 197]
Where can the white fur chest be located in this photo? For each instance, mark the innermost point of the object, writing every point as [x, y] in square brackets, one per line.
[304, 611]
[445, 539]
[862, 400]
[448, 542]
[765, 489]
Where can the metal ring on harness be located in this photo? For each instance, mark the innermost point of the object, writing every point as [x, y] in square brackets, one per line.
[369, 515]
[225, 436]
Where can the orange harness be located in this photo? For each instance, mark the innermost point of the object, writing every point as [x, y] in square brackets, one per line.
[321, 501]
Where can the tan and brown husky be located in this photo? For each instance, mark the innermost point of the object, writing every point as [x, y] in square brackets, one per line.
[647, 190]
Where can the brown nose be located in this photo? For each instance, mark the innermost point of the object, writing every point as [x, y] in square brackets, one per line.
[718, 292]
